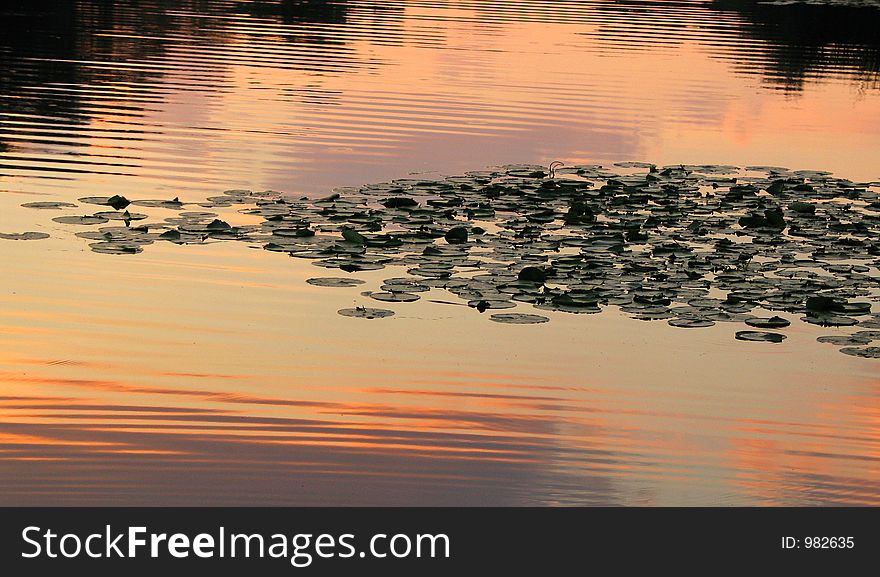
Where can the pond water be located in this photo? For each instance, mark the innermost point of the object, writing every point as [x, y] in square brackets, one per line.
[213, 373]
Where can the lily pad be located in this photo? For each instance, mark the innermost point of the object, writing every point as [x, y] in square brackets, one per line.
[690, 323]
[46, 205]
[365, 313]
[23, 235]
[759, 336]
[830, 320]
[486, 304]
[770, 323]
[394, 297]
[126, 215]
[88, 220]
[518, 318]
[334, 282]
[843, 340]
[864, 352]
[173, 204]
[116, 248]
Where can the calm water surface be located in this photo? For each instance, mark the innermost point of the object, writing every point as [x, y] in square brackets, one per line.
[215, 375]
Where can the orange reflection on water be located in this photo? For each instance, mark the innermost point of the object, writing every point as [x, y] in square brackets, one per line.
[214, 375]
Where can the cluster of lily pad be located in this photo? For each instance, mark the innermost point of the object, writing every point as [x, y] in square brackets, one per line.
[690, 245]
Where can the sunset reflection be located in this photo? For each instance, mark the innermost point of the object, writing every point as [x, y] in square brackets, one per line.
[213, 374]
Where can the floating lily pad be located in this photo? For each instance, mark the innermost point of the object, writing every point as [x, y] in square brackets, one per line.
[173, 204]
[872, 335]
[116, 248]
[771, 323]
[486, 304]
[830, 320]
[49, 205]
[126, 215]
[690, 323]
[116, 201]
[335, 282]
[843, 340]
[518, 318]
[404, 285]
[85, 220]
[864, 352]
[366, 313]
[759, 336]
[394, 297]
[23, 235]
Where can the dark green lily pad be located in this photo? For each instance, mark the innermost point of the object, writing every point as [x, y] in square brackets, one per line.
[771, 323]
[760, 336]
[173, 204]
[486, 304]
[116, 248]
[366, 313]
[88, 220]
[334, 282]
[518, 318]
[843, 340]
[864, 352]
[394, 297]
[830, 320]
[47, 205]
[23, 235]
[690, 323]
[121, 215]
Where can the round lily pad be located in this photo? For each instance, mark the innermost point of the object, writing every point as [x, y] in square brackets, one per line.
[830, 320]
[690, 323]
[126, 215]
[394, 297]
[365, 313]
[872, 335]
[334, 282]
[759, 336]
[518, 318]
[485, 304]
[843, 340]
[86, 220]
[49, 205]
[173, 204]
[864, 352]
[771, 323]
[23, 235]
[116, 248]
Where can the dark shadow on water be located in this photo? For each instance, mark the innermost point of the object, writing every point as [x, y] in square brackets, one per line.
[298, 11]
[805, 42]
[789, 45]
